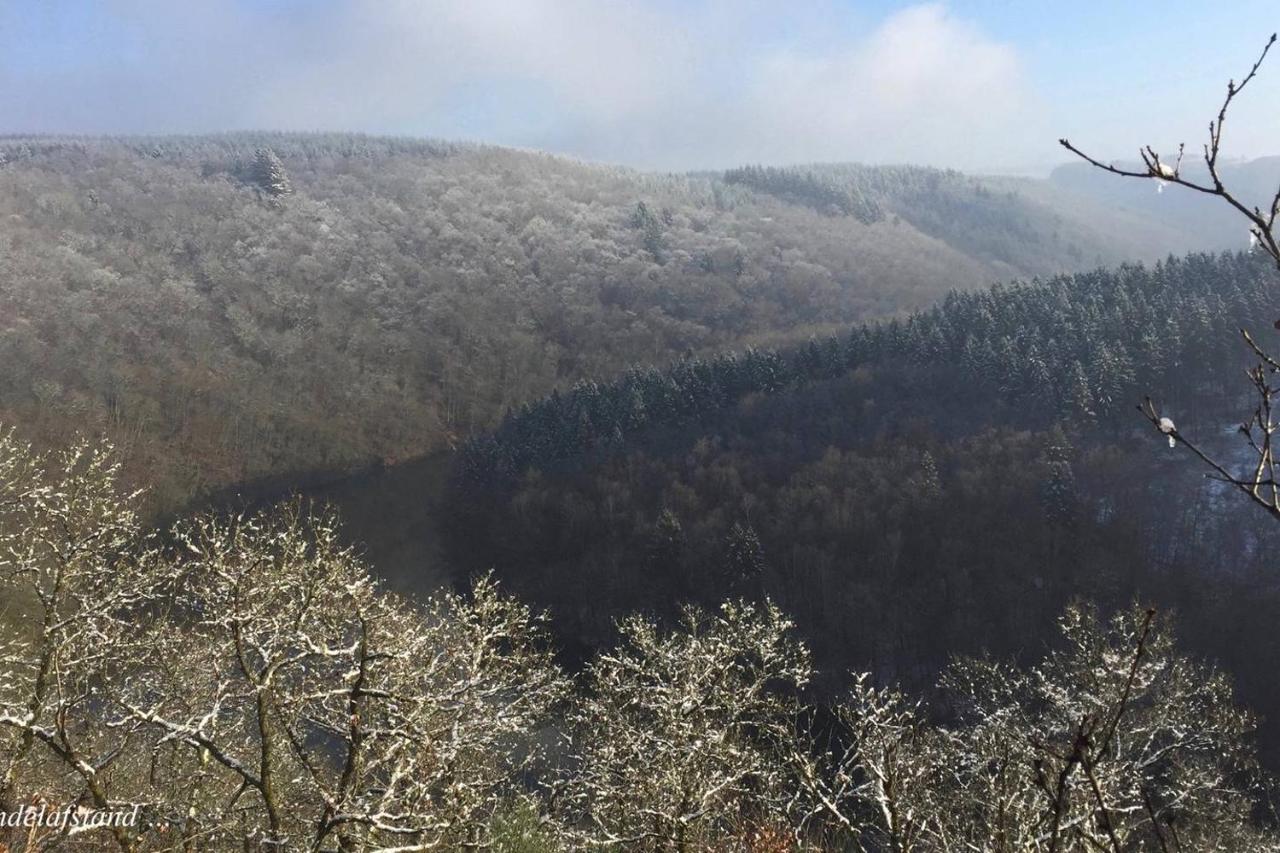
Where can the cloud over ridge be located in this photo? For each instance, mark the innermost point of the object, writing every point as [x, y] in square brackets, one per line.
[664, 85]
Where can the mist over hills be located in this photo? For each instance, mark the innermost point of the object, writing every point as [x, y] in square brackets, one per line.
[1254, 181]
[406, 292]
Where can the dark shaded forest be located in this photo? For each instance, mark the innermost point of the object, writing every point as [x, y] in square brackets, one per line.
[911, 490]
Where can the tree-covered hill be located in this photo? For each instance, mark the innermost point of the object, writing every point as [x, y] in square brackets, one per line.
[254, 305]
[1078, 348]
[1019, 227]
[909, 490]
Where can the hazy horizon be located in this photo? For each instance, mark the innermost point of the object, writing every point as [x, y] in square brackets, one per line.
[659, 86]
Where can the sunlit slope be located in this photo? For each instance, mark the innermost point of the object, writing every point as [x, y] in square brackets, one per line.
[406, 292]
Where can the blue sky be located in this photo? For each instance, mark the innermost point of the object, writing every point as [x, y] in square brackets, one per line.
[977, 84]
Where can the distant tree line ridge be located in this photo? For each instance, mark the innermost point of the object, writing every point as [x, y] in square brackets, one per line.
[801, 186]
[1083, 345]
[16, 147]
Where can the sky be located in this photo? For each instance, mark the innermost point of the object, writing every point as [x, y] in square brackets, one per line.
[980, 85]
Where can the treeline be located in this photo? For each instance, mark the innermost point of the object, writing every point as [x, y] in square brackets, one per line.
[1014, 224]
[1075, 347]
[242, 145]
[801, 186]
[245, 684]
[401, 294]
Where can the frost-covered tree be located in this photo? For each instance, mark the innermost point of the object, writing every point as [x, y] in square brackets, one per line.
[250, 684]
[342, 716]
[76, 575]
[681, 735]
[269, 174]
[1114, 743]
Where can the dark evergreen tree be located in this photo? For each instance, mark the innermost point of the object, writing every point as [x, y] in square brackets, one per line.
[664, 550]
[651, 230]
[743, 555]
[1059, 495]
[929, 483]
[269, 174]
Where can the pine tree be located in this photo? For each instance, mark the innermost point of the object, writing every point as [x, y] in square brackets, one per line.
[651, 227]
[930, 483]
[665, 549]
[269, 174]
[1079, 395]
[1058, 494]
[743, 555]
[641, 218]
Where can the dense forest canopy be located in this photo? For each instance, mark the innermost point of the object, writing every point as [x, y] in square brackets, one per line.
[242, 306]
[908, 490]
[1061, 348]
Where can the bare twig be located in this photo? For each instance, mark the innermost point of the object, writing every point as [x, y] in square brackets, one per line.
[1259, 484]
[1261, 223]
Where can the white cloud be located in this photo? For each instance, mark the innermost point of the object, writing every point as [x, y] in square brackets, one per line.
[922, 86]
[668, 84]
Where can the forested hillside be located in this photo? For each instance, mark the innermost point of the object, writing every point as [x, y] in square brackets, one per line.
[229, 308]
[908, 490]
[663, 387]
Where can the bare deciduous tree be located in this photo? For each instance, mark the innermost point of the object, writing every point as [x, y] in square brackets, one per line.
[249, 684]
[879, 784]
[1113, 743]
[318, 711]
[680, 737]
[1110, 741]
[75, 572]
